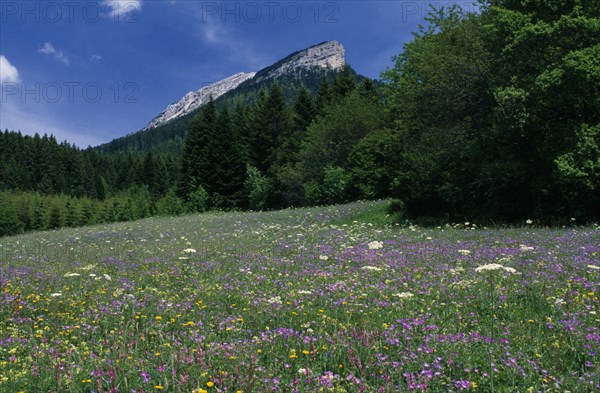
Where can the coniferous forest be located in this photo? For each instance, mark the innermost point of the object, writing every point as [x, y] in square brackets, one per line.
[489, 116]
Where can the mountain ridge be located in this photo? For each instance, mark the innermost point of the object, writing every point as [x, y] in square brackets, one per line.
[304, 68]
[195, 99]
[327, 54]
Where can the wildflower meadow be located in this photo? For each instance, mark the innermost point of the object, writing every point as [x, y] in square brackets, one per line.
[331, 299]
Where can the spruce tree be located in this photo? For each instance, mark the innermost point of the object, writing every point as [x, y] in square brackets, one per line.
[198, 153]
[344, 83]
[304, 110]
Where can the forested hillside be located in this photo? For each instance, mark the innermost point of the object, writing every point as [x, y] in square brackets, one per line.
[489, 116]
[170, 137]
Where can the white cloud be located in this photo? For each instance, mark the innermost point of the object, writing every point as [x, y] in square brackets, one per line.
[95, 57]
[8, 72]
[212, 31]
[120, 8]
[48, 49]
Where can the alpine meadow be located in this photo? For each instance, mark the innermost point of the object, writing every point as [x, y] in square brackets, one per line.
[300, 226]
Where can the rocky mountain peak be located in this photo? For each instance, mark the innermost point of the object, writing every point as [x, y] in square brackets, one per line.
[195, 99]
[328, 54]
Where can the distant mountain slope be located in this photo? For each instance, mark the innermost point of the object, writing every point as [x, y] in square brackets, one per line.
[195, 99]
[166, 132]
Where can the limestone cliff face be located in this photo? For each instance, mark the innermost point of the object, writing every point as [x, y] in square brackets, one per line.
[195, 99]
[328, 54]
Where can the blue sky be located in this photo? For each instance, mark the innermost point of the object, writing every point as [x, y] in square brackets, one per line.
[90, 71]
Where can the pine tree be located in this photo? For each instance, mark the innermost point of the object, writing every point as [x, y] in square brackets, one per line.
[304, 110]
[271, 125]
[344, 83]
[199, 155]
[324, 97]
[230, 168]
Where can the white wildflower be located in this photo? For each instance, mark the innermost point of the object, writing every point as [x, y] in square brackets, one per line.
[529, 222]
[457, 270]
[375, 245]
[303, 292]
[188, 251]
[495, 266]
[92, 275]
[106, 276]
[323, 257]
[275, 300]
[56, 294]
[525, 248]
[503, 260]
[372, 268]
[464, 252]
[463, 284]
[72, 274]
[593, 267]
[404, 295]
[87, 267]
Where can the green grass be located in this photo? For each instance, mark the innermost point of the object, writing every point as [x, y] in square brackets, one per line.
[310, 300]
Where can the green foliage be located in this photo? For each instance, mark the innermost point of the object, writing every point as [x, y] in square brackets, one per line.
[198, 201]
[271, 126]
[9, 221]
[26, 211]
[331, 137]
[335, 185]
[579, 171]
[257, 188]
[372, 164]
[492, 108]
[170, 204]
